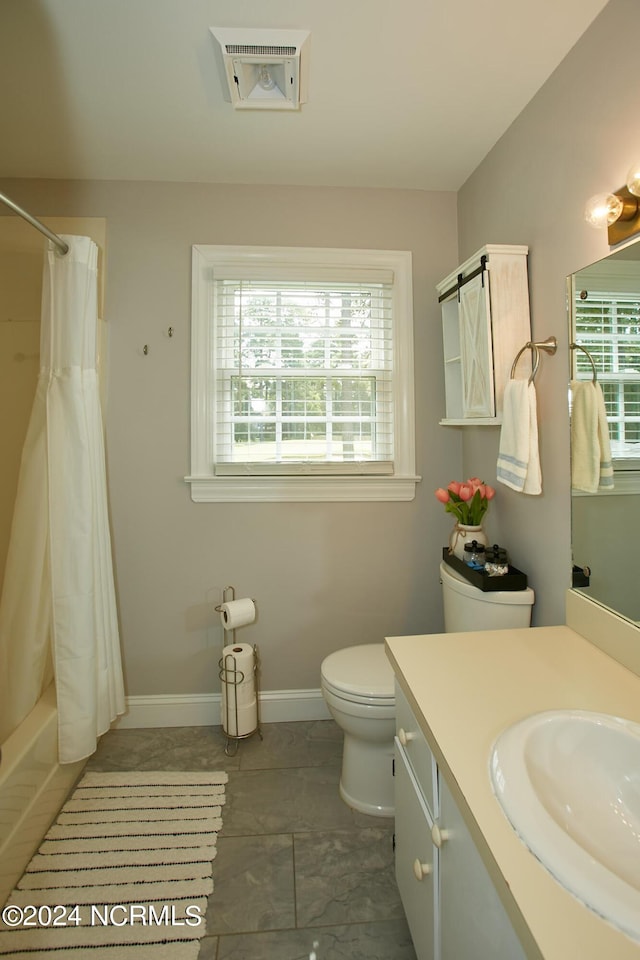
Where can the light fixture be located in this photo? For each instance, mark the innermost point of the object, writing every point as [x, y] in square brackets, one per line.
[619, 211]
[633, 179]
[264, 69]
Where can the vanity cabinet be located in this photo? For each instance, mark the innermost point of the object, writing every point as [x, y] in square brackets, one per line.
[451, 905]
[485, 322]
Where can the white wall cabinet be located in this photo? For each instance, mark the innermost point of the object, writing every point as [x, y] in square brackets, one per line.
[451, 905]
[485, 322]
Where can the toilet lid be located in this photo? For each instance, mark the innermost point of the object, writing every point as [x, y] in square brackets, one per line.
[363, 671]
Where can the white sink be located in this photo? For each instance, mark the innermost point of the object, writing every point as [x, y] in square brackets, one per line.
[569, 783]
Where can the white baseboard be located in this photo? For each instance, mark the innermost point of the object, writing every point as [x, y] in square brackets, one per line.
[203, 710]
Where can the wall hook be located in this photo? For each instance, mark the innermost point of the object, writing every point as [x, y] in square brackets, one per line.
[145, 349]
[170, 332]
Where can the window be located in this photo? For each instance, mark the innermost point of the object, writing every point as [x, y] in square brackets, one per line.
[302, 374]
[608, 326]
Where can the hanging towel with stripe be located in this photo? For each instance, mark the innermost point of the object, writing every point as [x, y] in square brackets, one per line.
[518, 456]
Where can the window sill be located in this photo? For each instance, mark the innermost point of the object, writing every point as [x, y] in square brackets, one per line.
[300, 489]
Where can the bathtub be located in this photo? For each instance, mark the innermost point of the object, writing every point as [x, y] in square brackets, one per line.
[33, 787]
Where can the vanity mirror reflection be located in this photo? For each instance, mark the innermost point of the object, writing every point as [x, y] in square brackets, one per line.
[604, 317]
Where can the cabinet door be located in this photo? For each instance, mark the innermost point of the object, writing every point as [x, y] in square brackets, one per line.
[416, 859]
[476, 349]
[415, 750]
[473, 922]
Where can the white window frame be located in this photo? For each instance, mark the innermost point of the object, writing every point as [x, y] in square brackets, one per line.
[206, 486]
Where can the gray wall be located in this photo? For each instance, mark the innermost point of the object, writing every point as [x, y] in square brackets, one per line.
[323, 575]
[577, 137]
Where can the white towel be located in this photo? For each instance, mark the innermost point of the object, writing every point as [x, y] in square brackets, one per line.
[518, 456]
[604, 439]
[591, 466]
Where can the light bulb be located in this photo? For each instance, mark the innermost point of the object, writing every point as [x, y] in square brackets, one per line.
[265, 79]
[603, 209]
[633, 179]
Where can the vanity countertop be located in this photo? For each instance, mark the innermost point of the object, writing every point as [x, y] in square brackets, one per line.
[466, 688]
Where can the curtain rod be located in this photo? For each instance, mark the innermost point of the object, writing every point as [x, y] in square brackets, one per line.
[60, 244]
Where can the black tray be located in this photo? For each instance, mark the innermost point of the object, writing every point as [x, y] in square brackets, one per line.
[513, 580]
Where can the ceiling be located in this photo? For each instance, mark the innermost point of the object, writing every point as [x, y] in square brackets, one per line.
[402, 93]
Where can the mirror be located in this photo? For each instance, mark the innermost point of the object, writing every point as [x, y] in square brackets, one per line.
[604, 315]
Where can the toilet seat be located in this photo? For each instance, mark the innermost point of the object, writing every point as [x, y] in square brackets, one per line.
[360, 674]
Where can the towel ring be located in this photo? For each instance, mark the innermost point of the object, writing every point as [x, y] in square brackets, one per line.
[550, 345]
[535, 361]
[578, 346]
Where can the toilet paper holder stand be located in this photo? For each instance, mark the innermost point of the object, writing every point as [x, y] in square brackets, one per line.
[231, 676]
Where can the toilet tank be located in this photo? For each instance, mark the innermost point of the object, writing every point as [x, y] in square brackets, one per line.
[468, 608]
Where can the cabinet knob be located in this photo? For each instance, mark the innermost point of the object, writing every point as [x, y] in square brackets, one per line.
[438, 835]
[404, 736]
[421, 870]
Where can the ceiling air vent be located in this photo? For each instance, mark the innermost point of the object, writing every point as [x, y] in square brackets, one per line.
[254, 50]
[264, 69]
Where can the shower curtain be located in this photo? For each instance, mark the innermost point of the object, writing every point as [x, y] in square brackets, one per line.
[57, 612]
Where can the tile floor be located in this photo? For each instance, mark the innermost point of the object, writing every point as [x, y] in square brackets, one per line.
[295, 865]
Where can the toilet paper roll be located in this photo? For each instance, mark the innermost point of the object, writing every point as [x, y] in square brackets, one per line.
[244, 694]
[239, 697]
[242, 723]
[237, 664]
[237, 613]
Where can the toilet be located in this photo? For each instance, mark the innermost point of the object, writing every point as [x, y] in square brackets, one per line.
[358, 686]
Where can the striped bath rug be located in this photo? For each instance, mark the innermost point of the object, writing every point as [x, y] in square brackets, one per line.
[124, 872]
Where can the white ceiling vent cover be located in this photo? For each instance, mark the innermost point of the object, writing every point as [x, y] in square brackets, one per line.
[264, 69]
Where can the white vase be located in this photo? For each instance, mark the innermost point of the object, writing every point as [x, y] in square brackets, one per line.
[465, 533]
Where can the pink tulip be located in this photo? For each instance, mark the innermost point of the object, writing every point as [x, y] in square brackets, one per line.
[442, 495]
[454, 487]
[474, 481]
[481, 488]
[489, 492]
[465, 492]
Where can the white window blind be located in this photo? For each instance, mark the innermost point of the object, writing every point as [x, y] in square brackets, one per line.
[608, 326]
[303, 376]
